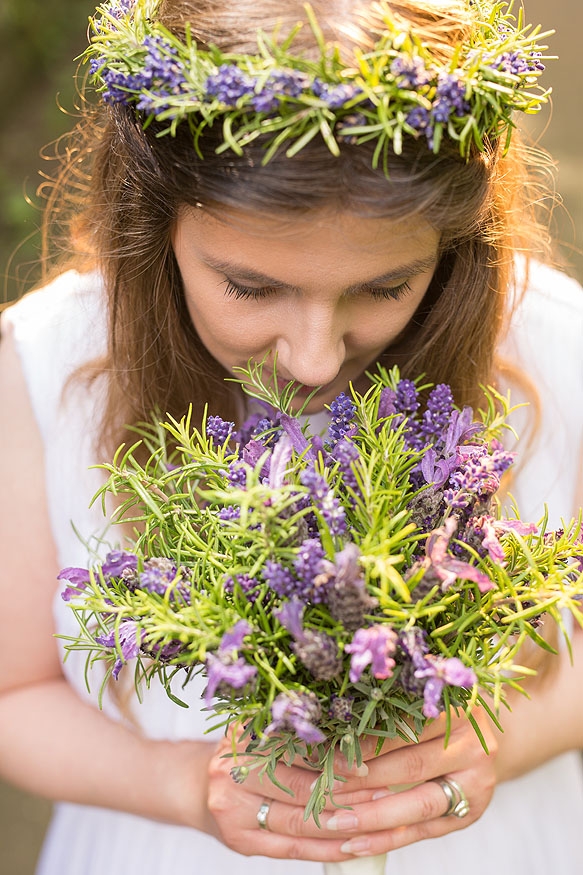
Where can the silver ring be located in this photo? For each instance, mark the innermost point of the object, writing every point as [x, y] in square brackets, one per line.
[457, 803]
[262, 814]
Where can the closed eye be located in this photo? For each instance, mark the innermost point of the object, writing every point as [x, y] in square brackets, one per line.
[235, 290]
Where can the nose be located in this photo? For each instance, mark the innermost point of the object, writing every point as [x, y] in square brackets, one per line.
[311, 347]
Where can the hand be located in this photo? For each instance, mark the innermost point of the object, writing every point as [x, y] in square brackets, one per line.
[379, 819]
[392, 817]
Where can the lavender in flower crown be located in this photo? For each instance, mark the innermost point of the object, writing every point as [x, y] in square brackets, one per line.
[396, 90]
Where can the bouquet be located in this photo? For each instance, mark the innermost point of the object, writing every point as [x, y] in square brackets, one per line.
[329, 587]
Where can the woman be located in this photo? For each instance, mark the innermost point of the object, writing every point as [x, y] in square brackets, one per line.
[192, 253]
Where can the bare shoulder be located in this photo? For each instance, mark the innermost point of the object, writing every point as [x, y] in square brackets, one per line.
[28, 562]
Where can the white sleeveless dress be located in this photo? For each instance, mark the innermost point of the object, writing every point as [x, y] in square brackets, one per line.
[533, 825]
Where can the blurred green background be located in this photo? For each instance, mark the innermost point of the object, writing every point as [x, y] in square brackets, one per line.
[38, 42]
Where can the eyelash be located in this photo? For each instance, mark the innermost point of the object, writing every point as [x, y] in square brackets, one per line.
[232, 290]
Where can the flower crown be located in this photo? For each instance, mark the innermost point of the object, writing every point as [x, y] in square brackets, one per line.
[396, 90]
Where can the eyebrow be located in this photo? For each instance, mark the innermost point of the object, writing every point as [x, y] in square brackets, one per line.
[412, 268]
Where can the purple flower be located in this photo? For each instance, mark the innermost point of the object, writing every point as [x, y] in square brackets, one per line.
[279, 579]
[440, 671]
[296, 713]
[226, 670]
[334, 96]
[159, 573]
[293, 429]
[325, 500]
[237, 475]
[435, 470]
[222, 672]
[308, 562]
[387, 402]
[419, 118]
[446, 568]
[437, 414]
[230, 512]
[411, 71]
[219, 429]
[489, 528]
[450, 98]
[342, 410]
[345, 452]
[280, 460]
[233, 638]
[117, 561]
[374, 646]
[129, 643]
[249, 586]
[478, 475]
[513, 63]
[229, 84]
[78, 578]
[280, 84]
[291, 615]
[460, 429]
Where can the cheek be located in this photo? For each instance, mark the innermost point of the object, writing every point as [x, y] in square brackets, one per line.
[225, 330]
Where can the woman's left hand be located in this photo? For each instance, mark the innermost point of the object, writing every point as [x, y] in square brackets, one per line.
[384, 816]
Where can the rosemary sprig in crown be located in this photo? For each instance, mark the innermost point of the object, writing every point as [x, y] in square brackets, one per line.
[396, 90]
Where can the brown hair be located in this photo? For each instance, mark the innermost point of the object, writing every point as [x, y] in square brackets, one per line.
[131, 185]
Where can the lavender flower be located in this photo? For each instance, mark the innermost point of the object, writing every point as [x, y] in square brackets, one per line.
[229, 84]
[489, 529]
[374, 646]
[438, 672]
[219, 429]
[279, 85]
[341, 708]
[478, 476]
[347, 597]
[229, 513]
[78, 578]
[249, 586]
[129, 642]
[419, 119]
[237, 475]
[342, 410]
[158, 574]
[317, 650]
[298, 713]
[117, 561]
[450, 98]
[280, 579]
[334, 96]
[345, 452]
[437, 414]
[325, 500]
[226, 674]
[443, 568]
[411, 71]
[226, 670]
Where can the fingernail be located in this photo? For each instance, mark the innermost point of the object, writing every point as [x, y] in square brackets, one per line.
[380, 794]
[357, 847]
[313, 784]
[342, 821]
[361, 771]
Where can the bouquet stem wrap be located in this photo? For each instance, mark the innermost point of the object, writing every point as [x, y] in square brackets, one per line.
[358, 866]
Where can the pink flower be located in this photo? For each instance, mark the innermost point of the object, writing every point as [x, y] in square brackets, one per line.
[374, 646]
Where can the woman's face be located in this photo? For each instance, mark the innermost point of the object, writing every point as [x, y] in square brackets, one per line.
[325, 294]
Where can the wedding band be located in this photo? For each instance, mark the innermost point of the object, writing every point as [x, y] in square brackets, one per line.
[262, 815]
[457, 803]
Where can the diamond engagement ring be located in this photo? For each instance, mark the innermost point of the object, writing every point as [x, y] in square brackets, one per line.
[457, 804]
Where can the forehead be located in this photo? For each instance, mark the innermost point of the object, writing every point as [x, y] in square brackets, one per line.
[312, 242]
